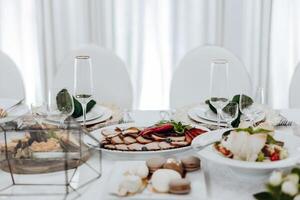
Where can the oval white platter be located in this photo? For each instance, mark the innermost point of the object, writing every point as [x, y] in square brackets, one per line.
[131, 154]
[291, 143]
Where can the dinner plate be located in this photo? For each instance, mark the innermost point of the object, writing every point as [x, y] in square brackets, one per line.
[203, 114]
[291, 143]
[131, 154]
[198, 190]
[107, 114]
[103, 113]
[96, 112]
[13, 113]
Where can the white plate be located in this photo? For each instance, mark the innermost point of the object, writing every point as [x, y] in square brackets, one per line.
[206, 113]
[192, 113]
[198, 188]
[96, 112]
[291, 143]
[14, 113]
[107, 113]
[132, 154]
[203, 114]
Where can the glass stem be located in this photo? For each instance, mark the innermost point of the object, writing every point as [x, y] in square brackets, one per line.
[84, 114]
[229, 124]
[219, 117]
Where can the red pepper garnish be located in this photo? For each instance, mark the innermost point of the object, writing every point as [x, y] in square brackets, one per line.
[275, 156]
[157, 129]
[224, 151]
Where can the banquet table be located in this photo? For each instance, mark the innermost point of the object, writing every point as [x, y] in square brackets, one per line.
[97, 189]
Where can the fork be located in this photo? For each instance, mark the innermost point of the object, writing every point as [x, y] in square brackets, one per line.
[284, 121]
[15, 105]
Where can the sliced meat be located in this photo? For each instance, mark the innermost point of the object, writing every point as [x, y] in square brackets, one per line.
[152, 146]
[180, 144]
[165, 145]
[129, 140]
[143, 140]
[104, 142]
[135, 147]
[109, 133]
[131, 130]
[188, 137]
[109, 146]
[122, 147]
[117, 140]
[177, 139]
[157, 138]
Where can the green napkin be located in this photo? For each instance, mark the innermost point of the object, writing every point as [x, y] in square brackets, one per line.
[63, 102]
[236, 99]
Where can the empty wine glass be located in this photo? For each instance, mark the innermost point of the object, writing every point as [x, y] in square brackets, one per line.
[127, 116]
[83, 82]
[60, 105]
[248, 108]
[260, 96]
[230, 112]
[219, 86]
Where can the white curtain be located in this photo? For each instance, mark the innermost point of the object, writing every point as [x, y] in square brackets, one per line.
[284, 49]
[151, 37]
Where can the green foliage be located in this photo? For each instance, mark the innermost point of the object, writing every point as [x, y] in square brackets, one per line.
[178, 127]
[274, 192]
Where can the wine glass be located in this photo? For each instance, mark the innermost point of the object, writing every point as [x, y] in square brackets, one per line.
[260, 96]
[60, 104]
[83, 82]
[219, 85]
[230, 112]
[248, 108]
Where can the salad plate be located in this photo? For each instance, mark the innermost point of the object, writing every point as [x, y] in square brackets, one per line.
[134, 140]
[286, 145]
[13, 113]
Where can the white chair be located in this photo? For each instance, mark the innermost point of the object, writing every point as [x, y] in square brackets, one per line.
[111, 80]
[191, 79]
[295, 89]
[11, 82]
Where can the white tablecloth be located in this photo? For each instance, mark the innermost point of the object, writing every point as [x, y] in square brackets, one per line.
[96, 190]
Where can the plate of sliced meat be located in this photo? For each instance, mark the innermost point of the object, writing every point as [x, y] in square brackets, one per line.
[131, 139]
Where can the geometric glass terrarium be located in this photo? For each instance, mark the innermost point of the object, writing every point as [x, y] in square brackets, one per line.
[41, 158]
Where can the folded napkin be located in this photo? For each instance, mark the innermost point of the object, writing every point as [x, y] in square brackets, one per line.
[63, 101]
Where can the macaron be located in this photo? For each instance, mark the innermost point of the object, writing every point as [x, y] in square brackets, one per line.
[179, 186]
[175, 165]
[191, 163]
[161, 179]
[155, 163]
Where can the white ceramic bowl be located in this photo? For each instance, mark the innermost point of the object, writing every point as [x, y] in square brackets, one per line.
[209, 154]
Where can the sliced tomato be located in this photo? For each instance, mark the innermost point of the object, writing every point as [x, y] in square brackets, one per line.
[275, 156]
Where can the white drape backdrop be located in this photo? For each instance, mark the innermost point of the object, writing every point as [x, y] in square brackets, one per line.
[151, 37]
